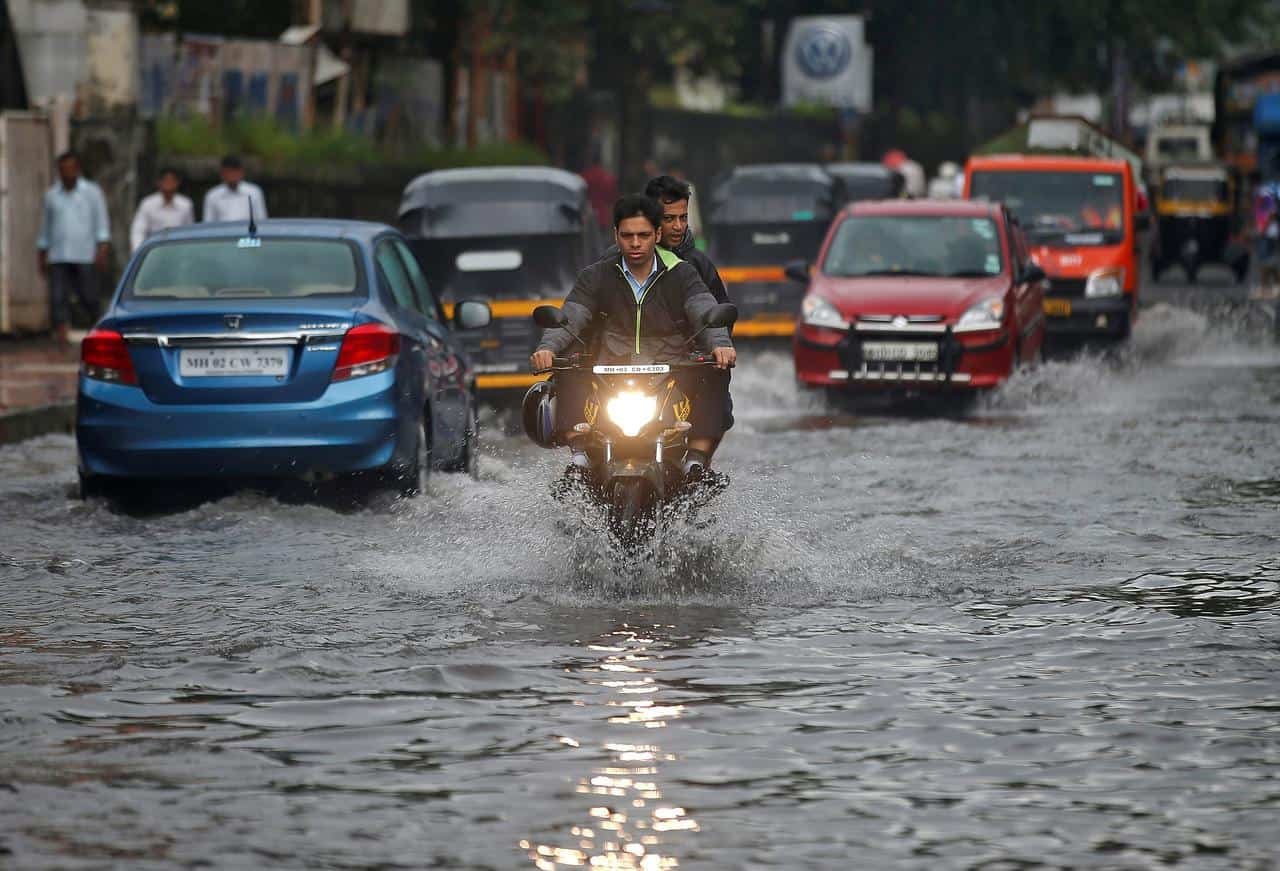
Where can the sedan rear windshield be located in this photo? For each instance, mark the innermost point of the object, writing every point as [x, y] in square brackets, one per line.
[945, 247]
[257, 268]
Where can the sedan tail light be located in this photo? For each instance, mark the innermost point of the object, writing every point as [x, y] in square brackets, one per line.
[366, 350]
[105, 357]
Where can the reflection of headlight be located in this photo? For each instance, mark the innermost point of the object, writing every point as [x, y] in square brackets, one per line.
[818, 312]
[631, 410]
[1105, 282]
[986, 315]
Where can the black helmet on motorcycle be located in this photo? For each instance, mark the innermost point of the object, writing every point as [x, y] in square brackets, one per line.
[538, 414]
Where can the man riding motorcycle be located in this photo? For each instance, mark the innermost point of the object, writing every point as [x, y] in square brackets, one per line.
[676, 235]
[644, 305]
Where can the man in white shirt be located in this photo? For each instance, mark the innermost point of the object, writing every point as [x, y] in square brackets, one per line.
[162, 210]
[74, 241]
[230, 200]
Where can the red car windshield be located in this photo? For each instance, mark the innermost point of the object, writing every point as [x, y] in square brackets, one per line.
[945, 247]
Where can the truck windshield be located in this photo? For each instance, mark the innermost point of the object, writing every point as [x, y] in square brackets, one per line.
[1073, 208]
[942, 247]
[256, 268]
[1178, 148]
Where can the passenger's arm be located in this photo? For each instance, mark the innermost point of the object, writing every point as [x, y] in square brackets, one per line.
[697, 302]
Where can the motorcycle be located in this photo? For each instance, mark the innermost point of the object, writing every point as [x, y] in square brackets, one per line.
[635, 433]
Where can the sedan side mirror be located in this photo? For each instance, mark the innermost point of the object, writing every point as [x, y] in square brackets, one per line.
[471, 314]
[1031, 274]
[797, 270]
[549, 317]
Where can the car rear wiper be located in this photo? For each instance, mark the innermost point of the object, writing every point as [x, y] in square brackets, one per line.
[969, 273]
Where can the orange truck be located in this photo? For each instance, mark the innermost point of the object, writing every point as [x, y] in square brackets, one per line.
[1081, 218]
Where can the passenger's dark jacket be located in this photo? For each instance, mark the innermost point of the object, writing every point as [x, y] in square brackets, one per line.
[656, 328]
[690, 253]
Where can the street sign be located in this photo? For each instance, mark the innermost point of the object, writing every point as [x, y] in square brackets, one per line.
[826, 60]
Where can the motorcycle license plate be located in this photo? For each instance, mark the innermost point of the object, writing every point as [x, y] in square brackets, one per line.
[899, 352]
[1058, 308]
[646, 369]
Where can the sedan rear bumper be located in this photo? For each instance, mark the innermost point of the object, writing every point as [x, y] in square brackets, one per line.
[354, 426]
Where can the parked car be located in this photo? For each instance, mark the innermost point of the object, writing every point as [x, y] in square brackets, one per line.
[924, 295]
[515, 236]
[762, 217]
[297, 349]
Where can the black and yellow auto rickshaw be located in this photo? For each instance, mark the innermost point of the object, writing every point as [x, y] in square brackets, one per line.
[1195, 220]
[515, 237]
[762, 217]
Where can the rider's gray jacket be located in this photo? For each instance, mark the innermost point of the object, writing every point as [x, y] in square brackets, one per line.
[656, 327]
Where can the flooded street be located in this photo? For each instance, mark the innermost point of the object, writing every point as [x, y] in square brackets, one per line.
[1044, 635]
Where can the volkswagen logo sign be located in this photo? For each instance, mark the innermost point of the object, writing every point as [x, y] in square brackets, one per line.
[901, 322]
[823, 52]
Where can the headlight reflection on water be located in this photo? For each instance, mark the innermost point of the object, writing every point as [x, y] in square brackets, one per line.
[627, 816]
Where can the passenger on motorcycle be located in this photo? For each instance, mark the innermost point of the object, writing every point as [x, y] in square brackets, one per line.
[642, 305]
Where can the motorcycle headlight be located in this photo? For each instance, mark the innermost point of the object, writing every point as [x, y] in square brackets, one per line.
[986, 315]
[631, 410]
[817, 312]
[1105, 282]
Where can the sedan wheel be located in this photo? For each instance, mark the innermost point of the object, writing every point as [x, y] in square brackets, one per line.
[411, 479]
[469, 462]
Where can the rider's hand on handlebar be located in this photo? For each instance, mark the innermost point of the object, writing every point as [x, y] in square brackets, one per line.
[542, 360]
[725, 357]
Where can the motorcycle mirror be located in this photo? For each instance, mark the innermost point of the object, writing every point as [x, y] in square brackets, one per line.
[797, 270]
[549, 317]
[723, 315]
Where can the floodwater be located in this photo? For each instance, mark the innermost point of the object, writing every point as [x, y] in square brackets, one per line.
[1044, 635]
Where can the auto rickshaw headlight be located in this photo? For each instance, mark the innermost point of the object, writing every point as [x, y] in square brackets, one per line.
[1105, 282]
[817, 312]
[631, 410]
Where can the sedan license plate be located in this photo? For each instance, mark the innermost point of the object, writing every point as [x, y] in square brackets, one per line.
[210, 362]
[1058, 308]
[899, 352]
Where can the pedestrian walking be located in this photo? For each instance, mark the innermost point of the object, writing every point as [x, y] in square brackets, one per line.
[231, 200]
[162, 210]
[74, 241]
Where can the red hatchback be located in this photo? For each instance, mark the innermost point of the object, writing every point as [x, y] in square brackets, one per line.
[921, 295]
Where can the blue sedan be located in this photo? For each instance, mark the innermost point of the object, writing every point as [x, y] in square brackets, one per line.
[308, 349]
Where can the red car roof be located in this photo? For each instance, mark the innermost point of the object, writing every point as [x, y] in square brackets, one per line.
[933, 208]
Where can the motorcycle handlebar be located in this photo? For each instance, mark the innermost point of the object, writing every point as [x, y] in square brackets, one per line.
[569, 364]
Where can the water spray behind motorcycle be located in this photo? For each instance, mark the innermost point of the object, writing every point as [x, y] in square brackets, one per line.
[634, 435]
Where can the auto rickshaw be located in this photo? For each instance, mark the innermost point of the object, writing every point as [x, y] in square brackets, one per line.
[1195, 220]
[762, 217]
[515, 237]
[867, 181]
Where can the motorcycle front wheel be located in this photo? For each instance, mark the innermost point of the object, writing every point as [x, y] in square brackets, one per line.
[631, 512]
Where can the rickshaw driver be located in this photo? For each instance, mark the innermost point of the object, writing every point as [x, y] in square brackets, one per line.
[668, 297]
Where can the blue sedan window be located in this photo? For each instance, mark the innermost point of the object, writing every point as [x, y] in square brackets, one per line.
[225, 269]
